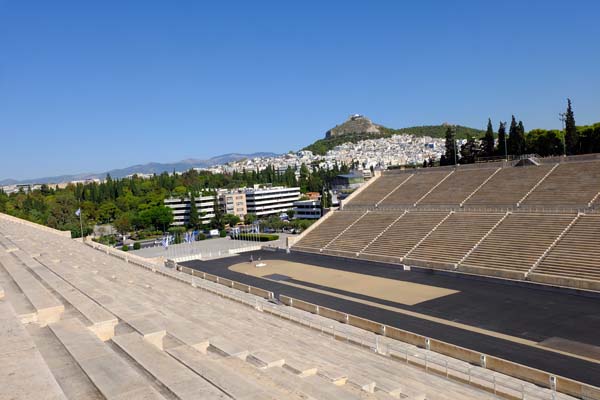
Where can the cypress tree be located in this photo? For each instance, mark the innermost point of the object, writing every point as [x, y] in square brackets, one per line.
[502, 150]
[194, 220]
[488, 140]
[512, 137]
[450, 147]
[521, 144]
[571, 135]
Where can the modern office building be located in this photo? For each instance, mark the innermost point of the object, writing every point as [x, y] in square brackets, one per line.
[181, 209]
[233, 202]
[307, 209]
[271, 200]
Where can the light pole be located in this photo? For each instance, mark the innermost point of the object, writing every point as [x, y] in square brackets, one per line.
[455, 155]
[81, 222]
[505, 148]
[563, 117]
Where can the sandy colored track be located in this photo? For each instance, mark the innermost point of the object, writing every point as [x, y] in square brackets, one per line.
[382, 288]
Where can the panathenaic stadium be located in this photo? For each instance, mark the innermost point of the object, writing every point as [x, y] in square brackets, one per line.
[476, 282]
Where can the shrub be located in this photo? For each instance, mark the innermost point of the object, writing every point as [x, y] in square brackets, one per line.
[262, 237]
[125, 248]
[137, 246]
[222, 233]
[201, 236]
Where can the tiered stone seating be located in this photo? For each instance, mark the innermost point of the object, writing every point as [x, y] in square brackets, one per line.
[570, 185]
[377, 190]
[449, 243]
[176, 377]
[23, 371]
[415, 188]
[328, 230]
[150, 341]
[361, 233]
[517, 242]
[508, 186]
[102, 322]
[403, 235]
[453, 190]
[112, 376]
[577, 254]
[47, 307]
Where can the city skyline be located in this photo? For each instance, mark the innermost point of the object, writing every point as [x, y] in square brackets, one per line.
[95, 87]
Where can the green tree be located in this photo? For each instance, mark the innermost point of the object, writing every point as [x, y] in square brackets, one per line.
[488, 140]
[450, 146]
[62, 211]
[231, 219]
[502, 140]
[304, 175]
[194, 221]
[250, 218]
[521, 142]
[516, 137]
[108, 212]
[571, 134]
[469, 151]
[217, 221]
[159, 217]
[512, 136]
[123, 223]
[545, 143]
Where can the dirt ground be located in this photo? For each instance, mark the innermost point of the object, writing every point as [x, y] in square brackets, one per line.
[382, 288]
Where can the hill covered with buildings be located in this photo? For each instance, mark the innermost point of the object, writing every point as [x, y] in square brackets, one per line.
[358, 128]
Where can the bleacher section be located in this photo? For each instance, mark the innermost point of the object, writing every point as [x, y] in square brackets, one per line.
[577, 253]
[511, 222]
[174, 340]
[452, 239]
[329, 231]
[414, 189]
[359, 234]
[514, 182]
[379, 189]
[404, 234]
[455, 189]
[570, 185]
[517, 242]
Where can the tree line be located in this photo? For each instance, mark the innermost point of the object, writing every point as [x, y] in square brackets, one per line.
[136, 204]
[572, 140]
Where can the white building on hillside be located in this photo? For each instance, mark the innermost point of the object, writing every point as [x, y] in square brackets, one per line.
[271, 200]
[181, 209]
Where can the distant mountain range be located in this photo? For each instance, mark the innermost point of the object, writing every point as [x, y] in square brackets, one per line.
[150, 168]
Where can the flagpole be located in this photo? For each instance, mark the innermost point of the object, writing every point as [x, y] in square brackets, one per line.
[81, 223]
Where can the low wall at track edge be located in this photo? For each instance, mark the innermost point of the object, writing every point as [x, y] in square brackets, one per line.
[538, 377]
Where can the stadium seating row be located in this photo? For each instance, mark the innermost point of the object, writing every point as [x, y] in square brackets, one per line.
[511, 245]
[570, 186]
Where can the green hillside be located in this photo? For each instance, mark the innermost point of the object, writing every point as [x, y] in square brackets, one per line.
[321, 146]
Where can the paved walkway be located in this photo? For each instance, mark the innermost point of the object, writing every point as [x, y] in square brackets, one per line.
[206, 247]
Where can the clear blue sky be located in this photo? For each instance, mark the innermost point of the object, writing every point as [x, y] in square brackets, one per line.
[86, 86]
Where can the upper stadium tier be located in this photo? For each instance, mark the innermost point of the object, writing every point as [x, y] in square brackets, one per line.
[572, 186]
[538, 223]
